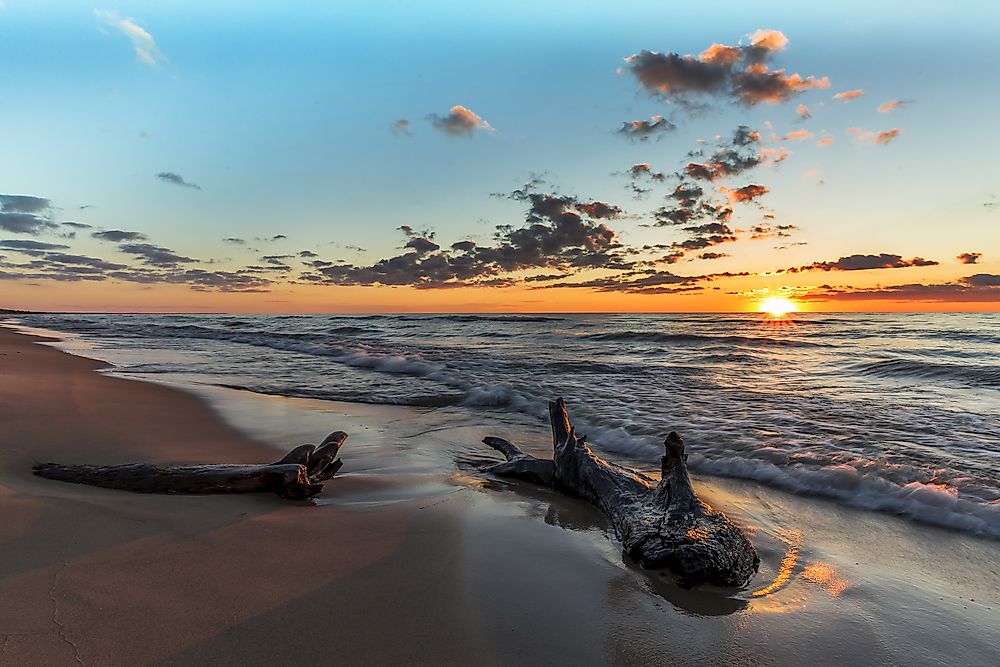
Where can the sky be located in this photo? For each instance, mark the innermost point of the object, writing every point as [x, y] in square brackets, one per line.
[519, 156]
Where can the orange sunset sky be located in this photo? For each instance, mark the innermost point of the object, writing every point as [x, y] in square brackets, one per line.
[386, 157]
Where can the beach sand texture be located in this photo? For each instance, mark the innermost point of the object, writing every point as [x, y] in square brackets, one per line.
[411, 556]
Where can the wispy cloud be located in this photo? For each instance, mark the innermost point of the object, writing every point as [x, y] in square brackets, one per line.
[886, 107]
[176, 179]
[143, 43]
[849, 95]
[869, 136]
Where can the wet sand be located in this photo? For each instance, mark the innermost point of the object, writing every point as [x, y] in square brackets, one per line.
[412, 556]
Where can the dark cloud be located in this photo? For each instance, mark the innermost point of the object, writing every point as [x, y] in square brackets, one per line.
[176, 179]
[82, 260]
[982, 280]
[739, 72]
[76, 225]
[864, 263]
[31, 245]
[232, 240]
[422, 245]
[154, 255]
[307, 253]
[980, 288]
[969, 257]
[642, 130]
[459, 122]
[24, 204]
[712, 255]
[560, 232]
[401, 128]
[24, 223]
[117, 236]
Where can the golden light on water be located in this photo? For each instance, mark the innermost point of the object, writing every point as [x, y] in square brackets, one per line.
[777, 307]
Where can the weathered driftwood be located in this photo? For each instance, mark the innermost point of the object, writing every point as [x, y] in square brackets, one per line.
[298, 475]
[660, 524]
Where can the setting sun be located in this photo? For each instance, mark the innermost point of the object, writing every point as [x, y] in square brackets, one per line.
[777, 307]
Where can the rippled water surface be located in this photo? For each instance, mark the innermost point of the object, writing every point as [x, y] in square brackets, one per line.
[895, 412]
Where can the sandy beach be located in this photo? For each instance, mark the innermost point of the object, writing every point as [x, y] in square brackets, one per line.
[412, 556]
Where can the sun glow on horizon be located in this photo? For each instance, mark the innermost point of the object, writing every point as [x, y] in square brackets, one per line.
[777, 307]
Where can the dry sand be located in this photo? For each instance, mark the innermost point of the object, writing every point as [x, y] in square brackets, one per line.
[411, 556]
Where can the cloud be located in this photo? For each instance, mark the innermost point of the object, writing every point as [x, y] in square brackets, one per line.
[76, 225]
[23, 223]
[642, 130]
[645, 170]
[559, 232]
[864, 263]
[117, 236]
[746, 193]
[460, 122]
[154, 255]
[823, 142]
[401, 128]
[142, 42]
[803, 111]
[982, 280]
[969, 257]
[740, 72]
[232, 240]
[881, 137]
[980, 288]
[849, 95]
[799, 134]
[886, 107]
[24, 204]
[15, 244]
[176, 179]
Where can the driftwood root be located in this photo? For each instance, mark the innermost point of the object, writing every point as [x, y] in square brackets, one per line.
[661, 524]
[297, 475]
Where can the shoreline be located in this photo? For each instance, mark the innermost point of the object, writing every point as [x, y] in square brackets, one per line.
[453, 566]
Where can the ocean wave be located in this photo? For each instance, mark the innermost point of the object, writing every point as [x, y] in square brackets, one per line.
[682, 338]
[968, 374]
[928, 503]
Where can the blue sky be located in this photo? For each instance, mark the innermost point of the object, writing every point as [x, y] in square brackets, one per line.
[281, 113]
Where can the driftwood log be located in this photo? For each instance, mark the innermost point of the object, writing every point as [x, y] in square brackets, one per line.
[660, 524]
[298, 475]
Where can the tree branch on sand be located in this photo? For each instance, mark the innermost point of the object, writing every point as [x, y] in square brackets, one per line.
[660, 524]
[298, 475]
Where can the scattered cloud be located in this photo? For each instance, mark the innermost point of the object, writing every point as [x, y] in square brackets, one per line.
[825, 141]
[232, 240]
[864, 263]
[401, 128]
[868, 136]
[799, 134]
[969, 257]
[803, 111]
[153, 254]
[117, 236]
[642, 130]
[740, 72]
[17, 244]
[886, 107]
[176, 179]
[143, 43]
[849, 95]
[979, 288]
[460, 122]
